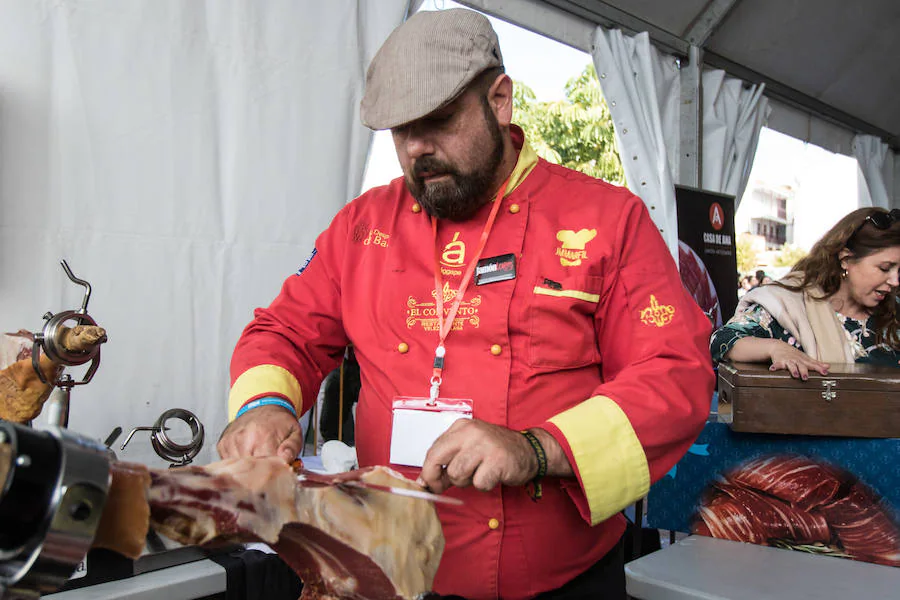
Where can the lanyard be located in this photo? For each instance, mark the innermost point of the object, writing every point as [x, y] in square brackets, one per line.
[446, 324]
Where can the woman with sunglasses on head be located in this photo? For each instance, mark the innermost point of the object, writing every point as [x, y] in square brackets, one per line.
[837, 305]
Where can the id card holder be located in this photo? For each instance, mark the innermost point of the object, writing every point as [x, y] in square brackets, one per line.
[418, 422]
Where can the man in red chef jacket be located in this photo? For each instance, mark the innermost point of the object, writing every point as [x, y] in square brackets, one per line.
[523, 337]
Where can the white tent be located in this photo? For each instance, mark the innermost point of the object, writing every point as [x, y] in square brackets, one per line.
[183, 156]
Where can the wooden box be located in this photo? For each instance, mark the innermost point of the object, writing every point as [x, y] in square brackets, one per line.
[853, 400]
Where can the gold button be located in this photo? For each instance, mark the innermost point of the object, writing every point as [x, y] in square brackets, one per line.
[496, 349]
[493, 523]
[513, 208]
[403, 348]
[416, 208]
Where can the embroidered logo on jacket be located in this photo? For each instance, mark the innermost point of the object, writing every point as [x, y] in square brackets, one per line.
[572, 252]
[425, 313]
[657, 314]
[453, 258]
[377, 238]
[370, 236]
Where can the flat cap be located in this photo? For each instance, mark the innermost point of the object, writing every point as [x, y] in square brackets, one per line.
[425, 63]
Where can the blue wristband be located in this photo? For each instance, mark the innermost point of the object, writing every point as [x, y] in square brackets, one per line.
[266, 402]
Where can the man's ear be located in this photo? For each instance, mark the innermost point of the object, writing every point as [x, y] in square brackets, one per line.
[500, 98]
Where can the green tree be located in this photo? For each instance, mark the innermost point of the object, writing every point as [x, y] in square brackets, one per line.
[746, 255]
[789, 256]
[576, 132]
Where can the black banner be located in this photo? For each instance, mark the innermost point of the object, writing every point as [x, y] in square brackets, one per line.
[706, 251]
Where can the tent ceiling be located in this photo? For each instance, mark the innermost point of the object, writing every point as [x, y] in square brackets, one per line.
[836, 58]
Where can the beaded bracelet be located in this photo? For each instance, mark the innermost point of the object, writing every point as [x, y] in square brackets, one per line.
[267, 402]
[535, 484]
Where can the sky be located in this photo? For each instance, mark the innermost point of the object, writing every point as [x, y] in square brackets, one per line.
[825, 183]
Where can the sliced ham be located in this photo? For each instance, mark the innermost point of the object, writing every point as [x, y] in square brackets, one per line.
[796, 499]
[864, 527]
[799, 480]
[741, 514]
[343, 541]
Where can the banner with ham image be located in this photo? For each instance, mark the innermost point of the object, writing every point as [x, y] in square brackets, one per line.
[781, 491]
[707, 259]
[801, 504]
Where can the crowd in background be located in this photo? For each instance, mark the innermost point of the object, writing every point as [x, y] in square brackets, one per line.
[753, 280]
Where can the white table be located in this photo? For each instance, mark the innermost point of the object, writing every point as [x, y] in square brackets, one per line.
[703, 568]
[182, 582]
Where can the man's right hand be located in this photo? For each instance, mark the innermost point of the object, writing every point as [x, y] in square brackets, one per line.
[263, 431]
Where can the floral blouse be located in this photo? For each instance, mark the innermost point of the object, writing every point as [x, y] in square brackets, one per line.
[757, 322]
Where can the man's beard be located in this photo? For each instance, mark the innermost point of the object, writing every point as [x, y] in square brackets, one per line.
[458, 197]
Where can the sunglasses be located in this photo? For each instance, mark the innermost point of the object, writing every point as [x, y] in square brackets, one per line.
[883, 220]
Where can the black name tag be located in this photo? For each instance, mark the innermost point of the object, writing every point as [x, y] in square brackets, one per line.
[494, 269]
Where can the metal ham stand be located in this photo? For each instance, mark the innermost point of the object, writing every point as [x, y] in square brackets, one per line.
[54, 484]
[49, 340]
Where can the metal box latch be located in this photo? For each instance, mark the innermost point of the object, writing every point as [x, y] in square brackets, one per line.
[829, 394]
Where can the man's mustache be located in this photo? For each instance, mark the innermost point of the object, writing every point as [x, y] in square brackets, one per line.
[431, 166]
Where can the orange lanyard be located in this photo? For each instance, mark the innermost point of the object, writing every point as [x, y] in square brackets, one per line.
[446, 324]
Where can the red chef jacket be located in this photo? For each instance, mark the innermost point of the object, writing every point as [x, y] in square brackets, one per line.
[594, 340]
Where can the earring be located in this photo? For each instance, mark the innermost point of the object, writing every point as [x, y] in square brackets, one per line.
[844, 274]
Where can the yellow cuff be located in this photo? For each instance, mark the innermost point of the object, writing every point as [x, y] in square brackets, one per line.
[264, 379]
[609, 458]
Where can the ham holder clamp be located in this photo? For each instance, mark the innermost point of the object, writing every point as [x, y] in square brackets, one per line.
[49, 339]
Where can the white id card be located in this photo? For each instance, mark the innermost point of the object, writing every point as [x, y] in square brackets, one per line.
[418, 422]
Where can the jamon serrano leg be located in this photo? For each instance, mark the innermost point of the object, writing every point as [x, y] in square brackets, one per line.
[344, 542]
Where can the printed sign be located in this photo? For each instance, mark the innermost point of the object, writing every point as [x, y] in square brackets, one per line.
[707, 258]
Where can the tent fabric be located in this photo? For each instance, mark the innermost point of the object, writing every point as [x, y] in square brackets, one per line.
[733, 116]
[183, 157]
[642, 88]
[876, 171]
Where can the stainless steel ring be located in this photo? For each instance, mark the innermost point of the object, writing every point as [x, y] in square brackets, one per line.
[168, 449]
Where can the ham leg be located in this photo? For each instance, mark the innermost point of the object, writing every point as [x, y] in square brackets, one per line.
[343, 541]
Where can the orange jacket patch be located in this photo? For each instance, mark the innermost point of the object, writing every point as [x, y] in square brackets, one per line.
[657, 314]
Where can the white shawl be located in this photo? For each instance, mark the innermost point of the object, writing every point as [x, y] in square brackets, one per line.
[805, 316]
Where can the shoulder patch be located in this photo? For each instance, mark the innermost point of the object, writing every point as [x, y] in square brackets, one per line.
[657, 314]
[308, 260]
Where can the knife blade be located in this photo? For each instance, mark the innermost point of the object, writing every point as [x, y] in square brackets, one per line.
[398, 491]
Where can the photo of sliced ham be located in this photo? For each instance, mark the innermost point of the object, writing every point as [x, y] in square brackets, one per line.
[755, 517]
[796, 502]
[864, 528]
[696, 280]
[803, 483]
[344, 541]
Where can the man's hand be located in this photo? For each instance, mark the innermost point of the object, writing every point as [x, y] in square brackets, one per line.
[785, 356]
[263, 431]
[479, 454]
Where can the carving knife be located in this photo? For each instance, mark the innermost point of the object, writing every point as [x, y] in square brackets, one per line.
[398, 491]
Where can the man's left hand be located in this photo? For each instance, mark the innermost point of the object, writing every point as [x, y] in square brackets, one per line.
[479, 454]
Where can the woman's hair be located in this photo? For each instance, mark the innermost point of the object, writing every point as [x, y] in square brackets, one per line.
[857, 233]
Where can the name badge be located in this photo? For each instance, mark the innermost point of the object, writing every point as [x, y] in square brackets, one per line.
[494, 269]
[418, 422]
